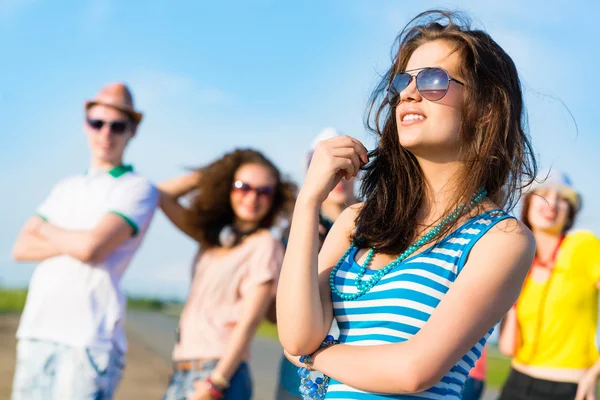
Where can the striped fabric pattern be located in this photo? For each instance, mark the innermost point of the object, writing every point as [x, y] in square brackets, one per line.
[401, 303]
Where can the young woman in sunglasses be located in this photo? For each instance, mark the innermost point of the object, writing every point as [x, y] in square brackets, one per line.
[418, 274]
[238, 198]
[551, 331]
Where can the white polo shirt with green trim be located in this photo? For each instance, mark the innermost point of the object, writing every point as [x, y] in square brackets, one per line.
[76, 303]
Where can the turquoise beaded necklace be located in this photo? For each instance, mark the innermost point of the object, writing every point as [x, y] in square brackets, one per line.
[365, 287]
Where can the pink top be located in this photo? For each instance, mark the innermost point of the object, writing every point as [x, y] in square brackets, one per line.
[479, 371]
[221, 279]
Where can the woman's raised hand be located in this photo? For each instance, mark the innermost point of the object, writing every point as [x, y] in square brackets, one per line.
[333, 159]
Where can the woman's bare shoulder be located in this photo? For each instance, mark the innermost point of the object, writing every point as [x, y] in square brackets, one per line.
[348, 217]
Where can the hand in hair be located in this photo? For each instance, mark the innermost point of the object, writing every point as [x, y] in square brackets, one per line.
[180, 185]
[170, 191]
[333, 159]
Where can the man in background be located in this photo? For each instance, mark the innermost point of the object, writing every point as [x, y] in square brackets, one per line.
[71, 339]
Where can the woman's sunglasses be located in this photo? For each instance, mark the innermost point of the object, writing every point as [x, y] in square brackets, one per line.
[261, 191]
[116, 127]
[432, 83]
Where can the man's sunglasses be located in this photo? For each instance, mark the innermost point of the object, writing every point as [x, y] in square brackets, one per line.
[432, 83]
[116, 127]
[265, 191]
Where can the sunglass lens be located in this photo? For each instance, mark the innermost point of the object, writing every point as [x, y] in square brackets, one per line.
[264, 191]
[400, 82]
[95, 124]
[118, 127]
[239, 185]
[392, 97]
[433, 83]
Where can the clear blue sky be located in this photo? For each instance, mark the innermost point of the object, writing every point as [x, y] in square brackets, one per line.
[269, 74]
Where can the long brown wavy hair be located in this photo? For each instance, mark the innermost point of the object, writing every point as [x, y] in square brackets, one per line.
[495, 146]
[210, 208]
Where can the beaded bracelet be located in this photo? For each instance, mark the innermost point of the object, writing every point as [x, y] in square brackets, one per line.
[317, 389]
[214, 390]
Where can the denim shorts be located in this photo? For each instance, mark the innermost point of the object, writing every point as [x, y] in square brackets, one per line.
[54, 371]
[182, 383]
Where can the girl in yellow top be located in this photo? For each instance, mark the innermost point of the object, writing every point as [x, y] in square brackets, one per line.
[551, 330]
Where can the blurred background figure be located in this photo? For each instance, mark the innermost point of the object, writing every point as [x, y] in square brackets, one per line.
[551, 331]
[475, 384]
[71, 335]
[342, 196]
[238, 199]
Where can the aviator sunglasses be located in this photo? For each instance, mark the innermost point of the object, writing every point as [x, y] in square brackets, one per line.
[261, 191]
[116, 127]
[432, 83]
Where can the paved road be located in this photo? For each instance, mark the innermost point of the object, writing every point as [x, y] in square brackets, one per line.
[156, 331]
[146, 376]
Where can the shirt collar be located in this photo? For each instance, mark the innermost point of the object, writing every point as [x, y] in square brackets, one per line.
[115, 172]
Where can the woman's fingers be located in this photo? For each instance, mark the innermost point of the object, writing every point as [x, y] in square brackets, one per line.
[351, 154]
[361, 150]
[347, 141]
[344, 165]
[332, 160]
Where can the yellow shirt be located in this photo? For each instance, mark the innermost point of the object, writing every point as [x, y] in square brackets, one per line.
[558, 318]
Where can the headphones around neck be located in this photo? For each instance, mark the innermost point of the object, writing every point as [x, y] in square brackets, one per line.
[230, 236]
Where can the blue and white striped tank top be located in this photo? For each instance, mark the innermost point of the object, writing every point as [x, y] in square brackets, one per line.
[401, 303]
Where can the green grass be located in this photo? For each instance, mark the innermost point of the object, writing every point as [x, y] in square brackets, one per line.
[267, 330]
[12, 300]
[141, 303]
[497, 367]
[173, 309]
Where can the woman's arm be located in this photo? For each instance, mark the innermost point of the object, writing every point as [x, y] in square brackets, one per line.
[254, 307]
[180, 185]
[587, 385]
[507, 342]
[304, 309]
[170, 192]
[484, 291]
[299, 303]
